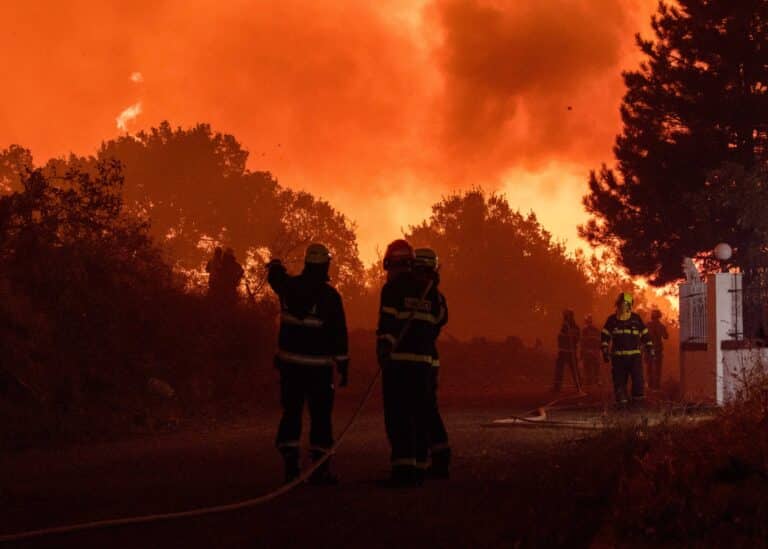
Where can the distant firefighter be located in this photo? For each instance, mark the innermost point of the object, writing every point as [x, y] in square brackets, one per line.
[230, 276]
[425, 268]
[224, 276]
[653, 362]
[623, 339]
[590, 351]
[312, 341]
[567, 344]
[409, 314]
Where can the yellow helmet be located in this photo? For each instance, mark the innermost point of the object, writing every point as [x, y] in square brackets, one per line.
[317, 254]
[426, 258]
[625, 297]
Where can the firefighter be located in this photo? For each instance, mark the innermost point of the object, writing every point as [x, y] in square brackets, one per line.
[230, 275]
[623, 338]
[567, 343]
[653, 362]
[408, 318]
[425, 268]
[590, 351]
[312, 341]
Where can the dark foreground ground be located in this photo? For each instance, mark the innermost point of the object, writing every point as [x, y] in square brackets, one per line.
[510, 487]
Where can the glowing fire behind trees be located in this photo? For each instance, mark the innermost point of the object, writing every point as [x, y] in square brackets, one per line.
[394, 103]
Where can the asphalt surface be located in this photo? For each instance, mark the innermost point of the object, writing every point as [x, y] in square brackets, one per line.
[497, 474]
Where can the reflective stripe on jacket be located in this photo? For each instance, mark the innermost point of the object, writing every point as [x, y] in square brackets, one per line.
[402, 305]
[625, 337]
[313, 328]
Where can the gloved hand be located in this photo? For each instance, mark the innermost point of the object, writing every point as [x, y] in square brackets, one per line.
[606, 357]
[342, 366]
[651, 352]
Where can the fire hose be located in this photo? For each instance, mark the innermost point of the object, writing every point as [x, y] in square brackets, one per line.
[217, 509]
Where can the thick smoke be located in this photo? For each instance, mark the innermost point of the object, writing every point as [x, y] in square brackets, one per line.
[358, 102]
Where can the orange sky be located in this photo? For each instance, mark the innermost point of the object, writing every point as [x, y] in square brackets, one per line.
[380, 107]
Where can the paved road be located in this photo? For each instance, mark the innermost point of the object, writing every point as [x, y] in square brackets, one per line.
[503, 491]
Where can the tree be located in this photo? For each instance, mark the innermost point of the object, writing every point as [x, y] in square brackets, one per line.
[501, 271]
[85, 270]
[15, 162]
[697, 103]
[194, 187]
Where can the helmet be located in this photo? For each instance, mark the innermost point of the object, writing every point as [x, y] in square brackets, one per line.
[624, 297]
[399, 254]
[425, 258]
[317, 254]
[655, 313]
[588, 319]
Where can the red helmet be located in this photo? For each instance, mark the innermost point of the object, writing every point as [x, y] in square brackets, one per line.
[399, 254]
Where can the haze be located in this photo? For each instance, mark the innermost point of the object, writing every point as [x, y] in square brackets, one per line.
[381, 108]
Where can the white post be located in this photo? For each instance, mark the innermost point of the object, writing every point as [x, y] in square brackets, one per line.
[725, 321]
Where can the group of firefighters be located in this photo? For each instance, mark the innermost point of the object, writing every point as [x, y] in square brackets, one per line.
[623, 342]
[313, 350]
[313, 342]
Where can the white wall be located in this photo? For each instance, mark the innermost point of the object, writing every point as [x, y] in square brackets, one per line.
[725, 321]
[703, 371]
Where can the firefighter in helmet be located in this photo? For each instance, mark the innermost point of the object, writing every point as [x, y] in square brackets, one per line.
[409, 314]
[589, 345]
[623, 338]
[658, 333]
[312, 342]
[425, 268]
[567, 343]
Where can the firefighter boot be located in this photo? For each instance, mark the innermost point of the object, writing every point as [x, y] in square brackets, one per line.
[401, 476]
[322, 476]
[441, 464]
[291, 464]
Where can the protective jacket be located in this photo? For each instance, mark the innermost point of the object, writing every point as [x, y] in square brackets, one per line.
[568, 338]
[401, 299]
[439, 327]
[658, 333]
[625, 337]
[590, 340]
[313, 328]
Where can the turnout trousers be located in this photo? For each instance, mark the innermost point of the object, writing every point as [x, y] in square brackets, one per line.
[653, 369]
[408, 406]
[625, 368]
[313, 384]
[592, 367]
[439, 448]
[565, 359]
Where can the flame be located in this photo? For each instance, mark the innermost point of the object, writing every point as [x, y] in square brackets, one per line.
[127, 115]
[137, 77]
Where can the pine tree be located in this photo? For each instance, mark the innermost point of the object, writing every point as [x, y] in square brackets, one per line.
[696, 105]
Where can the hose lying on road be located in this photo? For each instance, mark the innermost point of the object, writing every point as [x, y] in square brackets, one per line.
[145, 519]
[527, 419]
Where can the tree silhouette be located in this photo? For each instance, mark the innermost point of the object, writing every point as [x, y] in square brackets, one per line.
[697, 103]
[15, 162]
[501, 270]
[194, 186]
